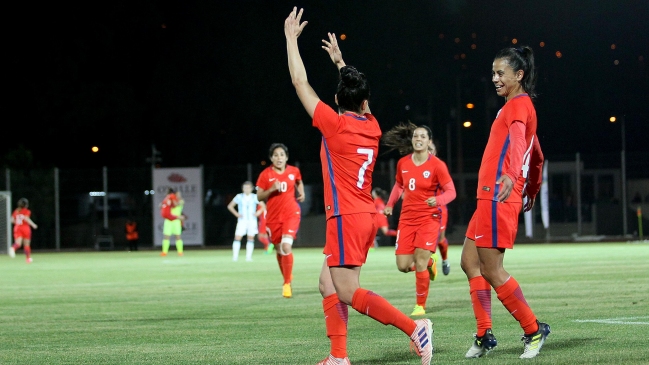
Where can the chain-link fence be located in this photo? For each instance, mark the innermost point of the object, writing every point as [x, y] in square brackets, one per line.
[585, 194]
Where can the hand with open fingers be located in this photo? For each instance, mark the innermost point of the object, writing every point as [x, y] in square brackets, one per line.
[387, 211]
[432, 201]
[292, 26]
[505, 189]
[332, 48]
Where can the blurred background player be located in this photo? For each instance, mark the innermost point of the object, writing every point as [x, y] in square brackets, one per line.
[246, 214]
[23, 225]
[443, 242]
[512, 151]
[277, 185]
[379, 195]
[425, 183]
[262, 235]
[350, 143]
[171, 210]
[132, 235]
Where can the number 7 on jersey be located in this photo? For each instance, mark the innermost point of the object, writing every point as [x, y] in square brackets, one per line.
[361, 172]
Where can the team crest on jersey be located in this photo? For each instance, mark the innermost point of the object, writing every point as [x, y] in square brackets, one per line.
[426, 174]
[291, 176]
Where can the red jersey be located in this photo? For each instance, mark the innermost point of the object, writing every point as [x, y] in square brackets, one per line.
[168, 202]
[379, 204]
[19, 216]
[496, 159]
[420, 183]
[281, 203]
[350, 144]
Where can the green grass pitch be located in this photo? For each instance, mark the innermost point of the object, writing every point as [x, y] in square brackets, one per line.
[140, 308]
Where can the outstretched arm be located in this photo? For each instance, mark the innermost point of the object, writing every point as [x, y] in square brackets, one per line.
[292, 30]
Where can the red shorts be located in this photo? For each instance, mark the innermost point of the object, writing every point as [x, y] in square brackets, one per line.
[23, 231]
[424, 236]
[289, 226]
[444, 209]
[349, 239]
[380, 220]
[494, 225]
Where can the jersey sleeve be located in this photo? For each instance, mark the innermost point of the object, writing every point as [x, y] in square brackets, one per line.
[536, 169]
[516, 112]
[326, 119]
[298, 175]
[262, 181]
[443, 176]
[237, 199]
[398, 177]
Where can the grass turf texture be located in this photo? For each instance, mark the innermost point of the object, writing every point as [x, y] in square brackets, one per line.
[139, 308]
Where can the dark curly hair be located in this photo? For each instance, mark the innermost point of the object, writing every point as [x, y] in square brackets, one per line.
[352, 90]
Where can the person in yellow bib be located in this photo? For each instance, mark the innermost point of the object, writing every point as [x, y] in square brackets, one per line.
[174, 227]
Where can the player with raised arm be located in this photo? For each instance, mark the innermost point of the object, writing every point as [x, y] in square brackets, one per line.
[425, 183]
[246, 213]
[350, 142]
[511, 158]
[23, 224]
[277, 185]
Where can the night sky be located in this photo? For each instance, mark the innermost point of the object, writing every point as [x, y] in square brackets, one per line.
[207, 82]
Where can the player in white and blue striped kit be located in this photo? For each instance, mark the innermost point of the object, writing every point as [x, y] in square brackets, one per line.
[247, 214]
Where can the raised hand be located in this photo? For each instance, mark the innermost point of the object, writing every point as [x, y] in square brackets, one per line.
[332, 48]
[292, 26]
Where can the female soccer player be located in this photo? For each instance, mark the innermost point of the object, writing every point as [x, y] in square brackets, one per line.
[23, 224]
[277, 185]
[246, 214]
[171, 210]
[425, 183]
[350, 141]
[379, 195]
[512, 152]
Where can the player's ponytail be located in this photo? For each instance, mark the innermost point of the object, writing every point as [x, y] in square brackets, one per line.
[522, 58]
[23, 203]
[400, 138]
[352, 90]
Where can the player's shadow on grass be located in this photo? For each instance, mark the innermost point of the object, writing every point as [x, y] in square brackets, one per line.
[560, 344]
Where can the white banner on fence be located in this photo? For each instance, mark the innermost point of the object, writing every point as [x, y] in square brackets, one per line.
[545, 203]
[189, 181]
[529, 224]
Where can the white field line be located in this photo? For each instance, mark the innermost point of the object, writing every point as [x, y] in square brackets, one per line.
[620, 320]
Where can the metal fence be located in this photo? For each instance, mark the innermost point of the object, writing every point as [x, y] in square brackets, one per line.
[585, 193]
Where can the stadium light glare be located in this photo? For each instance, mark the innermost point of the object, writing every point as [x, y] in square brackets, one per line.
[612, 119]
[97, 193]
[470, 106]
[467, 124]
[95, 149]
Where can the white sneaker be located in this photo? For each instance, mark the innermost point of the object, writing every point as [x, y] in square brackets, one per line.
[12, 252]
[482, 345]
[422, 338]
[534, 342]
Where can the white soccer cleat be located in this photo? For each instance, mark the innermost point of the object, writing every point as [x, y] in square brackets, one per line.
[330, 360]
[422, 338]
[534, 342]
[482, 345]
[12, 252]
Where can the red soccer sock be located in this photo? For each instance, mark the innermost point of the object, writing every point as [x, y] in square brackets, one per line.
[287, 267]
[443, 248]
[376, 307]
[28, 251]
[422, 284]
[15, 246]
[480, 291]
[511, 295]
[336, 315]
